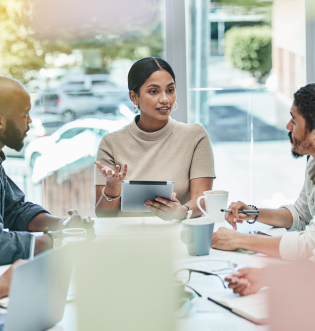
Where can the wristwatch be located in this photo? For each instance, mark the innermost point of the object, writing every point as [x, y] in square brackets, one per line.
[189, 212]
[56, 238]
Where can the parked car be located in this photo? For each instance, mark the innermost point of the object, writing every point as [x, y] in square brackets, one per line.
[101, 83]
[112, 111]
[69, 104]
[64, 138]
[41, 126]
[72, 104]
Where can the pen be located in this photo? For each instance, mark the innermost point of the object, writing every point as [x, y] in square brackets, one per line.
[245, 211]
[65, 222]
[261, 233]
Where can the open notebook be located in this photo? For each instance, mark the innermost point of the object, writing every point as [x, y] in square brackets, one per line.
[253, 307]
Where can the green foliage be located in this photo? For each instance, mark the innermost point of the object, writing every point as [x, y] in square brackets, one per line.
[21, 55]
[133, 49]
[249, 49]
[18, 49]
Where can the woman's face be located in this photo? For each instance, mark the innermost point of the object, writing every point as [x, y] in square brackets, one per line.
[157, 95]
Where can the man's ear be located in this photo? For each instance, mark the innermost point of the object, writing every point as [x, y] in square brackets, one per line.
[133, 97]
[312, 135]
[2, 122]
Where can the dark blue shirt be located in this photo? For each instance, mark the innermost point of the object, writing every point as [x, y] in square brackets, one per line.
[15, 214]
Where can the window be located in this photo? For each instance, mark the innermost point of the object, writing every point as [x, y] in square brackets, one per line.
[100, 132]
[244, 101]
[86, 58]
[102, 83]
[71, 133]
[49, 99]
[80, 94]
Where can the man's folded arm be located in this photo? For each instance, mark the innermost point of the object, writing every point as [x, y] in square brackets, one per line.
[298, 245]
[18, 213]
[300, 212]
[14, 246]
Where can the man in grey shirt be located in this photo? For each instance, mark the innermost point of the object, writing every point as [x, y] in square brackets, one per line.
[18, 216]
[299, 242]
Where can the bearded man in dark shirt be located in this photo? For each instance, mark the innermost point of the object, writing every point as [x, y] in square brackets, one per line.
[18, 216]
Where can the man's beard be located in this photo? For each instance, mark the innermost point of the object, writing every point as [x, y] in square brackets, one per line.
[12, 136]
[296, 143]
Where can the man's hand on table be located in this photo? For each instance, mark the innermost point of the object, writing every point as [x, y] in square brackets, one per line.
[225, 239]
[246, 281]
[76, 221]
[45, 242]
[44, 221]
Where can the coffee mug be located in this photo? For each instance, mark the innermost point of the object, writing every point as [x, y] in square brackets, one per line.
[214, 202]
[197, 235]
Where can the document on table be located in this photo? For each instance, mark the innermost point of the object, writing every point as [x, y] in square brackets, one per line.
[253, 307]
[214, 323]
[217, 266]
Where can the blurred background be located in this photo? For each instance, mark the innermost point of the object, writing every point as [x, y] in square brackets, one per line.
[244, 61]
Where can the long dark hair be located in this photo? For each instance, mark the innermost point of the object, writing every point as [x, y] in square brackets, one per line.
[143, 69]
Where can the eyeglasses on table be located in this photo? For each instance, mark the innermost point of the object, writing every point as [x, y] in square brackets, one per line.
[185, 274]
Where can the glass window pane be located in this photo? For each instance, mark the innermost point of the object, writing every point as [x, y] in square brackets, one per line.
[245, 61]
[75, 67]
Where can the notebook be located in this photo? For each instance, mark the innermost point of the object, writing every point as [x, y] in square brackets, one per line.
[253, 307]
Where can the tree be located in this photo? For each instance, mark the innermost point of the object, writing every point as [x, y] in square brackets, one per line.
[249, 49]
[22, 56]
[19, 51]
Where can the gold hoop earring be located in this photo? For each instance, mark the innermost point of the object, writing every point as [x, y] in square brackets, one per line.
[175, 105]
[135, 109]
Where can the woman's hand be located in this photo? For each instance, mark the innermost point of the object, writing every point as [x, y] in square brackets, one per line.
[167, 209]
[235, 216]
[113, 178]
[246, 281]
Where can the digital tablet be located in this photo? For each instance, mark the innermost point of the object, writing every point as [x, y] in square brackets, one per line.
[135, 193]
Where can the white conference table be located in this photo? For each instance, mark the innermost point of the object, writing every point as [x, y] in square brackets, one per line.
[204, 315]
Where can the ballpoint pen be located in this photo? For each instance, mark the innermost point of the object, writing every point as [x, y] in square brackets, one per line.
[245, 211]
[65, 222]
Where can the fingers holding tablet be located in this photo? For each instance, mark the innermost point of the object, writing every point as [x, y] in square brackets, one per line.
[166, 209]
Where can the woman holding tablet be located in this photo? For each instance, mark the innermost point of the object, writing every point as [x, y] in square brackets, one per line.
[155, 147]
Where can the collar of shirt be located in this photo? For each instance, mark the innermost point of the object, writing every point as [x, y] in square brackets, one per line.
[311, 169]
[2, 157]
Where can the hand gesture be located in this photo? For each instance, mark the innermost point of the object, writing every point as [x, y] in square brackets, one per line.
[167, 209]
[235, 216]
[113, 178]
[246, 281]
[76, 221]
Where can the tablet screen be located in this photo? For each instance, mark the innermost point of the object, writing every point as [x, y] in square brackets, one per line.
[135, 193]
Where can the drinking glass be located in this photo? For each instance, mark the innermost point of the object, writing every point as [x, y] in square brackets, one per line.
[73, 235]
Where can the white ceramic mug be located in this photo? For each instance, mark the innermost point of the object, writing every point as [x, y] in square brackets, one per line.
[214, 201]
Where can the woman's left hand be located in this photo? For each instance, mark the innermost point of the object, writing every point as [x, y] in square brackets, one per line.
[167, 209]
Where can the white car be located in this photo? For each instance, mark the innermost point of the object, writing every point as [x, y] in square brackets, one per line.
[67, 139]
